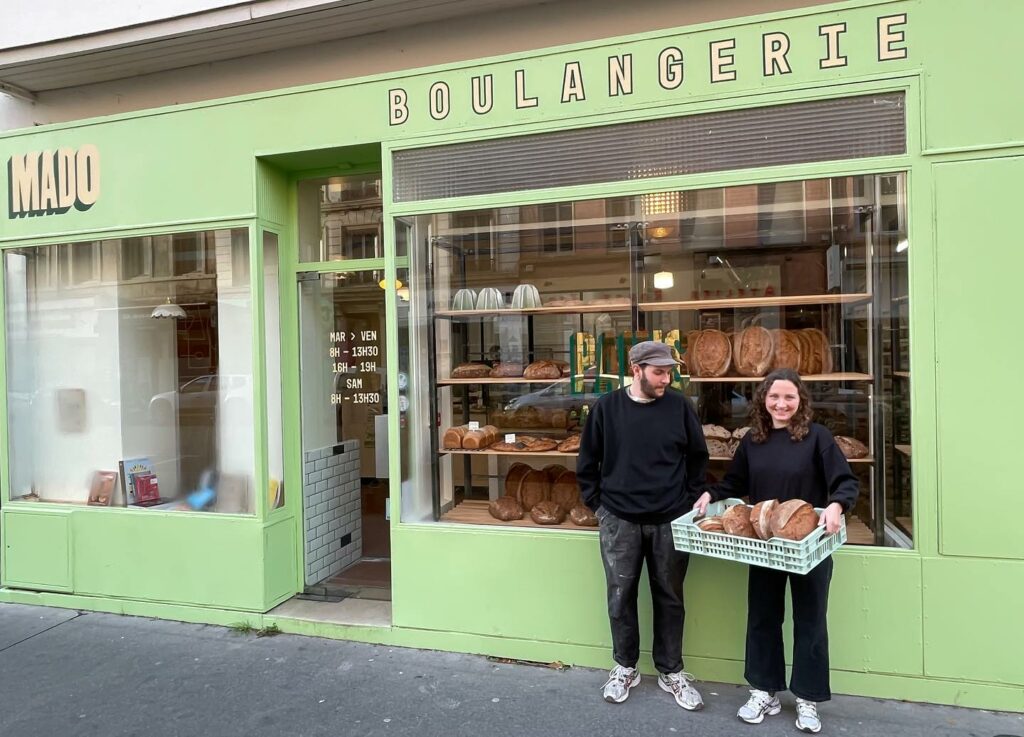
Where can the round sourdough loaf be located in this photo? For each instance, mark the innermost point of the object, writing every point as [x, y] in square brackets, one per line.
[761, 518]
[581, 516]
[793, 520]
[711, 524]
[533, 489]
[547, 513]
[513, 477]
[753, 351]
[565, 491]
[505, 508]
[787, 350]
[714, 353]
[736, 521]
[851, 447]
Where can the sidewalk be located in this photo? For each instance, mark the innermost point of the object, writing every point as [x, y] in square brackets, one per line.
[69, 674]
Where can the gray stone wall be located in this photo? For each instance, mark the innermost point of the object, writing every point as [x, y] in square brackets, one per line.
[332, 509]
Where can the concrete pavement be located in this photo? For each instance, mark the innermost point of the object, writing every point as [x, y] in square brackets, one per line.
[63, 673]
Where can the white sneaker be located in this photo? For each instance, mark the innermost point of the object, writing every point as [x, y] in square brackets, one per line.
[807, 716]
[759, 704]
[680, 685]
[620, 680]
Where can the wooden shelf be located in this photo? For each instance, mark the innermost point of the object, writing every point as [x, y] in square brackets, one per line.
[901, 374]
[513, 380]
[620, 306]
[474, 512]
[904, 449]
[808, 377]
[869, 459]
[485, 452]
[713, 304]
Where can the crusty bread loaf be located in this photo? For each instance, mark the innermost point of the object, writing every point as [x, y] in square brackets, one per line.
[739, 432]
[716, 432]
[753, 351]
[851, 447]
[542, 370]
[554, 470]
[547, 513]
[471, 371]
[823, 355]
[787, 350]
[736, 521]
[513, 477]
[452, 438]
[582, 516]
[793, 519]
[505, 508]
[761, 518]
[565, 491]
[711, 524]
[507, 369]
[718, 449]
[533, 489]
[541, 445]
[570, 445]
[808, 351]
[474, 440]
[714, 353]
[690, 357]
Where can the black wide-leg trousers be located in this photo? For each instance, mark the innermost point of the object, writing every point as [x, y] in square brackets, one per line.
[766, 610]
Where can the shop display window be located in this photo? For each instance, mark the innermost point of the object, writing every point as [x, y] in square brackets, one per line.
[521, 317]
[129, 373]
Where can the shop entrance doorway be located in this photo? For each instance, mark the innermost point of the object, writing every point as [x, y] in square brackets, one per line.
[347, 546]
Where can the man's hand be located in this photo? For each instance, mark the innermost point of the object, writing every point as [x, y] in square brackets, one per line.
[831, 518]
[701, 505]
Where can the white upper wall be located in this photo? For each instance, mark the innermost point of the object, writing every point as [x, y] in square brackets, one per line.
[466, 38]
[24, 22]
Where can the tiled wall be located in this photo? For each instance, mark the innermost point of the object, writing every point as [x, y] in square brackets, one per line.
[331, 509]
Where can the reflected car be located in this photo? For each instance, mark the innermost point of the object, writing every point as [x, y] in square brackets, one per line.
[201, 394]
[559, 395]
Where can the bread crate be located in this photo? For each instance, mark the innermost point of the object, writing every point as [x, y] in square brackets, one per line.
[795, 556]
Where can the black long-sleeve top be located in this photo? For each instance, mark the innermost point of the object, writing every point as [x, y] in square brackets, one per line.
[812, 469]
[643, 462]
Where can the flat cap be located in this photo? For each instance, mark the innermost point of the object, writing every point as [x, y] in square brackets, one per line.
[652, 353]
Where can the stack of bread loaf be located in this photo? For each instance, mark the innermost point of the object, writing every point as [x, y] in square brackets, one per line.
[548, 495]
[755, 351]
[461, 437]
[722, 442]
[791, 520]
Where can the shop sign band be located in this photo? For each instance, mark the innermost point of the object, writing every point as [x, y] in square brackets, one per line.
[52, 182]
[670, 65]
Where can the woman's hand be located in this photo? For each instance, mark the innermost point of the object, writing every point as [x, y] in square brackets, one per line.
[701, 505]
[831, 518]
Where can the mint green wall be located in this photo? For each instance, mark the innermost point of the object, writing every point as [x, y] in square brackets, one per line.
[898, 616]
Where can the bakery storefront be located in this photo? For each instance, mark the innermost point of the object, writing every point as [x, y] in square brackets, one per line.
[376, 345]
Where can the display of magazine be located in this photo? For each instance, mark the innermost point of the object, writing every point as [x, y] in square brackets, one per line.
[139, 482]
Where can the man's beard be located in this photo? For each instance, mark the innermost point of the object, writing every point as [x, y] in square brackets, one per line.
[649, 389]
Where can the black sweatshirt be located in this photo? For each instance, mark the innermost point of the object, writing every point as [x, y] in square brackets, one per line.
[812, 469]
[643, 462]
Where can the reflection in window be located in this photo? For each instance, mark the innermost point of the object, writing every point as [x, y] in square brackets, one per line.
[340, 218]
[131, 376]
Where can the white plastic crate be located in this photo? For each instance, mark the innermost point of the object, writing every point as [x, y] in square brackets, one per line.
[795, 556]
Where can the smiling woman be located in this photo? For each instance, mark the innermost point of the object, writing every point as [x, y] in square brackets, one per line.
[164, 401]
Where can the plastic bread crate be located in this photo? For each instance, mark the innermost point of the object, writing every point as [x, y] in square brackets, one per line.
[795, 556]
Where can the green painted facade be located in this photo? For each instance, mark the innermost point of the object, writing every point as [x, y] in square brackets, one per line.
[928, 624]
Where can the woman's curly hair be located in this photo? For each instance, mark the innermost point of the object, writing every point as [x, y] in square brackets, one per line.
[761, 421]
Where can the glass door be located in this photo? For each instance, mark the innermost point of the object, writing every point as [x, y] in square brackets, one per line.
[344, 434]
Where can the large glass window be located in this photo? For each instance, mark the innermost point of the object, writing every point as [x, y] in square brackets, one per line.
[133, 386]
[521, 317]
[340, 218]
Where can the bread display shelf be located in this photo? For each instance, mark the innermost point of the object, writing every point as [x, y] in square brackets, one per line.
[512, 380]
[474, 512]
[901, 374]
[486, 452]
[808, 377]
[558, 310]
[712, 304]
[869, 459]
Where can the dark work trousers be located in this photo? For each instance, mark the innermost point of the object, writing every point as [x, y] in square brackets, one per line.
[624, 548]
[766, 610]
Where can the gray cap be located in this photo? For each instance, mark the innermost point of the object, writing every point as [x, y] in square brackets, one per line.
[652, 353]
